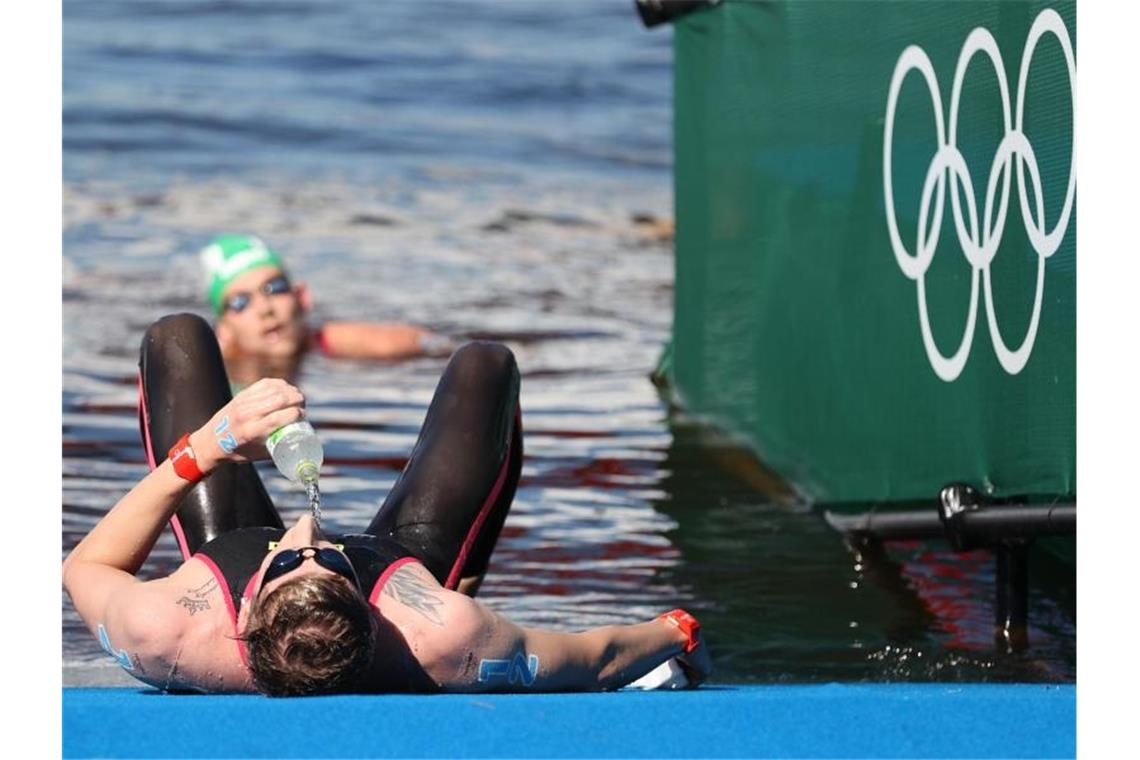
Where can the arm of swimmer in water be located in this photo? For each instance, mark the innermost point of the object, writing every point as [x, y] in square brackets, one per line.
[464, 646]
[381, 340]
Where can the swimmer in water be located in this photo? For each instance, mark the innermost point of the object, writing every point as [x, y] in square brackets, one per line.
[256, 607]
[261, 317]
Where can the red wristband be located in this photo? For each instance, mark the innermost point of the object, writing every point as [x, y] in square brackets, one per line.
[688, 625]
[184, 461]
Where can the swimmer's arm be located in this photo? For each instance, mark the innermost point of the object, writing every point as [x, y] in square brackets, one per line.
[480, 650]
[609, 657]
[121, 541]
[380, 340]
[102, 567]
[109, 556]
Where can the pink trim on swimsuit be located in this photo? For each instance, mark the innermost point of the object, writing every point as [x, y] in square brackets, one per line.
[254, 580]
[148, 448]
[473, 533]
[242, 653]
[376, 589]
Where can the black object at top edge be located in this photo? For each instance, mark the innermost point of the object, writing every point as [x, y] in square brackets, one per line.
[654, 12]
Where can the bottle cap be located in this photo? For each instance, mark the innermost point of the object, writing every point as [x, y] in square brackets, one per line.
[307, 471]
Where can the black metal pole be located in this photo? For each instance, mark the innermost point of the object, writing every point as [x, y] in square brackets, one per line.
[987, 523]
[654, 12]
[1012, 604]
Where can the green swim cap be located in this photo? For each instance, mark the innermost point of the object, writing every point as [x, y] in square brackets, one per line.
[228, 256]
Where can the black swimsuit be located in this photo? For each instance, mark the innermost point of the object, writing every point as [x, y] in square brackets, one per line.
[446, 509]
[235, 558]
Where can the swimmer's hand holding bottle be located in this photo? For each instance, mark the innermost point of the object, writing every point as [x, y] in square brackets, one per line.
[238, 427]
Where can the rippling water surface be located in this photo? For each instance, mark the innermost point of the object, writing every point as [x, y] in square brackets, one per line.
[494, 170]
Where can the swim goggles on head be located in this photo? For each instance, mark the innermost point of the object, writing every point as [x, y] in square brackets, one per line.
[237, 302]
[289, 560]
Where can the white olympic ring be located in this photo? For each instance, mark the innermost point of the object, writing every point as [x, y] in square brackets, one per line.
[978, 245]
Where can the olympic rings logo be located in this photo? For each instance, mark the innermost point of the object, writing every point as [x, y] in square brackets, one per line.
[978, 246]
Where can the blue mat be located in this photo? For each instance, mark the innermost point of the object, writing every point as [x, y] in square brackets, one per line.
[824, 721]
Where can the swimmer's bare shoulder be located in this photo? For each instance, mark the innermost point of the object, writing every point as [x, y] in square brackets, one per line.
[422, 613]
[175, 633]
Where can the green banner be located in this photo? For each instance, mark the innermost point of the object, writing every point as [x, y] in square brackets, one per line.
[876, 256]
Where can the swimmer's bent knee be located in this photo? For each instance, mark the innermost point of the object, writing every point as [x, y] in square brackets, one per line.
[484, 357]
[177, 332]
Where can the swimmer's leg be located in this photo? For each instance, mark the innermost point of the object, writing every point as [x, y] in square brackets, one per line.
[454, 494]
[182, 382]
[475, 567]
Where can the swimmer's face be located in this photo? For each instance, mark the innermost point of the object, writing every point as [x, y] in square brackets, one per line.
[303, 533]
[264, 316]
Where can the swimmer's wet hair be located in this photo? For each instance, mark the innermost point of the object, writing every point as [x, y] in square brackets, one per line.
[313, 635]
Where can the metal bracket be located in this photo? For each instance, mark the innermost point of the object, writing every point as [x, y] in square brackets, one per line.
[955, 501]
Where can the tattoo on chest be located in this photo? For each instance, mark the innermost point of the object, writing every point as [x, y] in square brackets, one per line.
[196, 599]
[410, 590]
[194, 605]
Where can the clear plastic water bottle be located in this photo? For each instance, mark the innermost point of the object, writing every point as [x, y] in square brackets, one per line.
[297, 452]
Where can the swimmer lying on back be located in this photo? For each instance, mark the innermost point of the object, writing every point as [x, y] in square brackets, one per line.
[261, 325]
[258, 607]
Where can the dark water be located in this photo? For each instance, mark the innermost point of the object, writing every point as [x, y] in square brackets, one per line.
[490, 170]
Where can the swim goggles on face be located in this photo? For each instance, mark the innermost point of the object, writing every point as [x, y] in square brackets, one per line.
[288, 560]
[236, 302]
